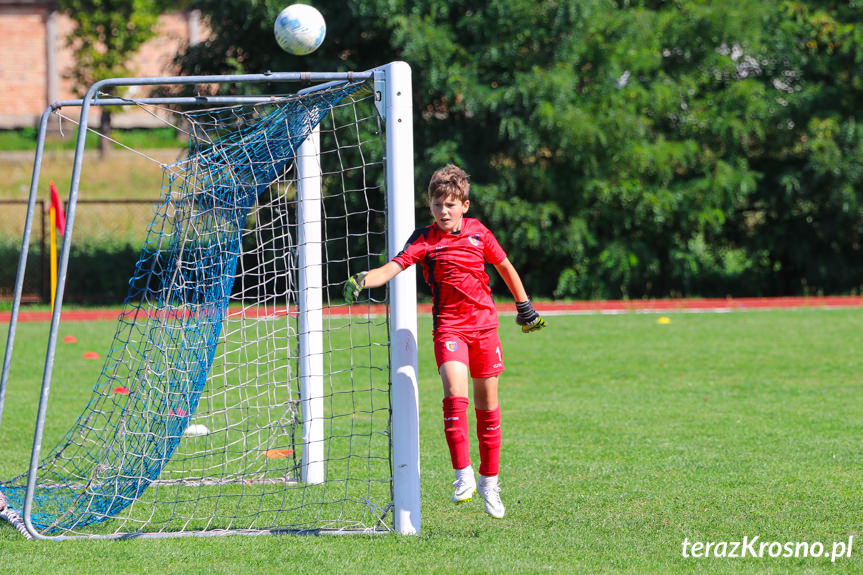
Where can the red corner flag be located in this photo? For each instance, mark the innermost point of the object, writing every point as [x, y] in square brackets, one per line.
[58, 209]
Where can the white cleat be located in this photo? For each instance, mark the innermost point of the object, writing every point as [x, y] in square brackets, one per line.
[465, 487]
[489, 490]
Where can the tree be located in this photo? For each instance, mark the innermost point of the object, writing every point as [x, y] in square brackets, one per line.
[622, 149]
[107, 34]
[809, 201]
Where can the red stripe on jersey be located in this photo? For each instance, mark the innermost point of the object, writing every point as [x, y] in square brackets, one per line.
[454, 268]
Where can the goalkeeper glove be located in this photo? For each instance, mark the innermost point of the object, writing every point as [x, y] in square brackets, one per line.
[354, 286]
[527, 317]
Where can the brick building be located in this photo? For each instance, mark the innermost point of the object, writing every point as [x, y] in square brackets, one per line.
[35, 59]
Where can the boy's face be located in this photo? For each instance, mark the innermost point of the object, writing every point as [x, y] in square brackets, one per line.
[448, 213]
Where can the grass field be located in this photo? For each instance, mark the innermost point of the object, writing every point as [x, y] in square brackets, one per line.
[622, 438]
[142, 177]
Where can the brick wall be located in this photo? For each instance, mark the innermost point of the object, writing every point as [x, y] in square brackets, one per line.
[28, 84]
[23, 64]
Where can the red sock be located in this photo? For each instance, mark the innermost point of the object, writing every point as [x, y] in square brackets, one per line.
[455, 429]
[489, 436]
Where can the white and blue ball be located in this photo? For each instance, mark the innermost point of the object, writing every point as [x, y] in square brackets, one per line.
[300, 29]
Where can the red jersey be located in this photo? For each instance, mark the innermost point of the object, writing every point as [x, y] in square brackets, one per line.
[454, 268]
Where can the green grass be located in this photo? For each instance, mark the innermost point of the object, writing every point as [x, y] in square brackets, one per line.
[142, 177]
[622, 437]
[25, 139]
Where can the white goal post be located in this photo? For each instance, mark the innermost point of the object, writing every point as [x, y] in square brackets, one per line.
[233, 301]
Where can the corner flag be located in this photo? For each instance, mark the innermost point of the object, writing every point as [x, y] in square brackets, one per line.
[59, 220]
[58, 224]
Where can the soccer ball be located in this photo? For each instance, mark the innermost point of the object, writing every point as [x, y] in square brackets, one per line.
[300, 29]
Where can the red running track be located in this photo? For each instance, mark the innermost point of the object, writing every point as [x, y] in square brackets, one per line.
[551, 308]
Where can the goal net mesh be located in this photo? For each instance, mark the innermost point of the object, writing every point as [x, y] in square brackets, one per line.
[195, 422]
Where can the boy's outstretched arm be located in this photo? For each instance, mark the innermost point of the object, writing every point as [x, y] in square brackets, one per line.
[372, 278]
[527, 317]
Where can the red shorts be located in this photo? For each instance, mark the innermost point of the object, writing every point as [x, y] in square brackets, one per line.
[479, 350]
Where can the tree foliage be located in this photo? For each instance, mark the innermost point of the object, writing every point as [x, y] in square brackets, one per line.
[627, 148]
[107, 33]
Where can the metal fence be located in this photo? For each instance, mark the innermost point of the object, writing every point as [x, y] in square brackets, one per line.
[108, 235]
[36, 280]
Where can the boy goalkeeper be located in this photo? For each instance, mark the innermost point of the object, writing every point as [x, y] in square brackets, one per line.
[453, 252]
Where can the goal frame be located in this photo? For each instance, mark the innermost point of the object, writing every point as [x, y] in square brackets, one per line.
[393, 99]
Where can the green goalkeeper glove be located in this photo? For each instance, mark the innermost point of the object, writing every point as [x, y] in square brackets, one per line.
[527, 317]
[354, 286]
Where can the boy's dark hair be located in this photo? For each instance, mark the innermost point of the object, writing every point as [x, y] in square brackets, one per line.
[449, 181]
